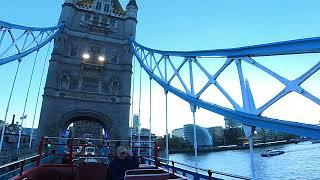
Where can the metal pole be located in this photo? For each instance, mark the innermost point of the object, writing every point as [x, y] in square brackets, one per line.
[40, 148]
[150, 118]
[166, 94]
[8, 105]
[195, 143]
[248, 130]
[132, 97]
[252, 156]
[139, 143]
[167, 133]
[38, 95]
[26, 100]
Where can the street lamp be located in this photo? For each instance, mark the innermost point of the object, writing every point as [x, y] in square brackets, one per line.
[20, 130]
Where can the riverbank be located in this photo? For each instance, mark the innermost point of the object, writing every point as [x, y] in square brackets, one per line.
[229, 147]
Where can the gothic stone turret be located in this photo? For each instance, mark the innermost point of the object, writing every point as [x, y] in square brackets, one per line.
[90, 70]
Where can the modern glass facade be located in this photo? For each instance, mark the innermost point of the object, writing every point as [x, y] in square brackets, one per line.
[203, 136]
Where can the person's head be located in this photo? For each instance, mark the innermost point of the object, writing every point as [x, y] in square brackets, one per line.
[121, 152]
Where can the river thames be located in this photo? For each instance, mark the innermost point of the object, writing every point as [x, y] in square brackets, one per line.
[300, 161]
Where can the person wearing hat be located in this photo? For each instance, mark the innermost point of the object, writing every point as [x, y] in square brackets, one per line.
[121, 164]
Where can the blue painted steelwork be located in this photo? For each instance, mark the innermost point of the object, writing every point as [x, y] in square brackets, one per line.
[51, 32]
[299, 46]
[247, 115]
[15, 26]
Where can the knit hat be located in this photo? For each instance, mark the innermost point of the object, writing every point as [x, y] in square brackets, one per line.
[121, 149]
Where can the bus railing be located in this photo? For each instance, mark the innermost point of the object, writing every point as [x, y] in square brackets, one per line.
[171, 166]
[51, 147]
[18, 167]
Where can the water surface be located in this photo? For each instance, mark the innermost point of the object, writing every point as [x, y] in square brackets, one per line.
[300, 161]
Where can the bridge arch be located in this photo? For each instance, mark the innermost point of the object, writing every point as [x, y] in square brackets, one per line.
[87, 115]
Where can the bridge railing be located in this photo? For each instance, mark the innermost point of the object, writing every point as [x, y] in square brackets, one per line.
[10, 170]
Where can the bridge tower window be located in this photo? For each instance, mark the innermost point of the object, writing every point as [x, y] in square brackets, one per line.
[114, 57]
[74, 83]
[74, 51]
[113, 23]
[96, 19]
[94, 50]
[114, 87]
[65, 82]
[105, 21]
[86, 18]
[106, 8]
[98, 7]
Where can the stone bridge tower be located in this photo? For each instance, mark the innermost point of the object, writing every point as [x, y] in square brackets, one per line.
[90, 70]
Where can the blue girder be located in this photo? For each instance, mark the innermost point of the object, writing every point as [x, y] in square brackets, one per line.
[15, 26]
[299, 46]
[310, 45]
[20, 55]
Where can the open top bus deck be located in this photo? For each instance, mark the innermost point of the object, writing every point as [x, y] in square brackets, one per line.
[66, 158]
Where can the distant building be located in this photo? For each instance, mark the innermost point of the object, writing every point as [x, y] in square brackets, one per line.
[144, 134]
[203, 137]
[231, 124]
[266, 135]
[144, 139]
[233, 136]
[217, 135]
[1, 124]
[178, 133]
[10, 141]
[27, 131]
[136, 121]
[11, 135]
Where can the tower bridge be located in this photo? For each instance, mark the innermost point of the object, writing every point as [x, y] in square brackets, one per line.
[90, 68]
[94, 54]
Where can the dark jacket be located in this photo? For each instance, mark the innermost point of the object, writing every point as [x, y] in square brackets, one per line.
[118, 167]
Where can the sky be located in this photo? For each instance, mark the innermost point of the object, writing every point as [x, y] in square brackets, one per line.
[196, 25]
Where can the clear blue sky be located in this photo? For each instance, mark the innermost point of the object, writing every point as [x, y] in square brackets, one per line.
[196, 25]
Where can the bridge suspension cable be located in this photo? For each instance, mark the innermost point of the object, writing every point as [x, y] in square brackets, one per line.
[132, 99]
[150, 115]
[38, 93]
[139, 111]
[17, 42]
[26, 99]
[8, 104]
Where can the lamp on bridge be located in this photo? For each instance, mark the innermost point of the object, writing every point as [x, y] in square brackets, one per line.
[93, 59]
[22, 118]
[101, 58]
[86, 56]
[20, 130]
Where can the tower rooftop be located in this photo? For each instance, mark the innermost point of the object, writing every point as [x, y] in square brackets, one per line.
[132, 3]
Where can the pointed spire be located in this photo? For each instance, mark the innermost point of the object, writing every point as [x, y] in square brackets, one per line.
[13, 119]
[132, 3]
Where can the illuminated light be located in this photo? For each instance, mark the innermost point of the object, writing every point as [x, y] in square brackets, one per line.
[101, 58]
[86, 56]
